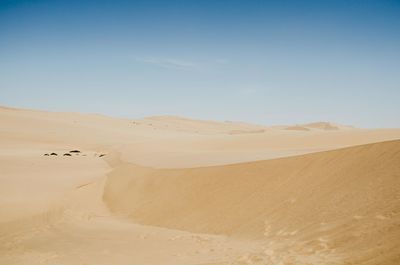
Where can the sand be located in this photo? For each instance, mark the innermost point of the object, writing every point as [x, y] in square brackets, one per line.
[172, 190]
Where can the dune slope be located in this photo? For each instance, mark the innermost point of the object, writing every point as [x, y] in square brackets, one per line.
[344, 203]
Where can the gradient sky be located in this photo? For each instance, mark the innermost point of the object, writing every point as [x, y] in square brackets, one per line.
[269, 62]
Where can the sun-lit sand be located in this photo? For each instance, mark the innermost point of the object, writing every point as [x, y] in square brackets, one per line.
[171, 190]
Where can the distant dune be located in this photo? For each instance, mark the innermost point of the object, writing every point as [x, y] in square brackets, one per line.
[91, 189]
[322, 126]
[326, 126]
[200, 126]
[170, 142]
[297, 128]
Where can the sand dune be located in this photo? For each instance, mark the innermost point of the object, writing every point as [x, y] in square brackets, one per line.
[297, 128]
[343, 202]
[200, 126]
[180, 191]
[325, 126]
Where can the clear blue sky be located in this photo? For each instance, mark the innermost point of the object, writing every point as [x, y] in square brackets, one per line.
[269, 62]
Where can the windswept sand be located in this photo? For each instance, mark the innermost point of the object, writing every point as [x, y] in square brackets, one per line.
[172, 190]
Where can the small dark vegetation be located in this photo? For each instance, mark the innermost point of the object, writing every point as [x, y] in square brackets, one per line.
[53, 154]
[66, 154]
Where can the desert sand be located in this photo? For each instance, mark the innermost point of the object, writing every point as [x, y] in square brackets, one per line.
[171, 190]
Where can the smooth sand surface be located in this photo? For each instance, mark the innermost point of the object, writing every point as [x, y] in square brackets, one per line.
[171, 190]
